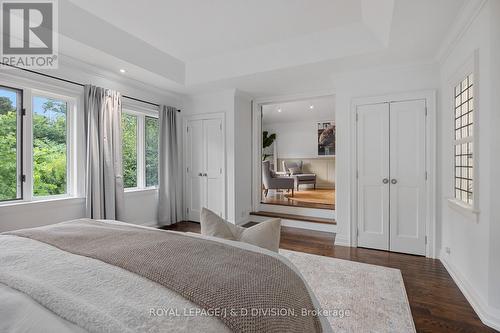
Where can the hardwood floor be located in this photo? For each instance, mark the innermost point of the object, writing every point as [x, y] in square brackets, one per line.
[436, 302]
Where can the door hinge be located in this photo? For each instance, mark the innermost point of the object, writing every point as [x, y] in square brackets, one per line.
[220, 126]
[187, 129]
[357, 117]
[426, 175]
[187, 210]
[357, 174]
[425, 240]
[357, 232]
[220, 171]
[23, 111]
[187, 170]
[426, 111]
[23, 178]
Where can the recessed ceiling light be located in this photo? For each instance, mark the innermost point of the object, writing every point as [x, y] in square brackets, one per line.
[122, 71]
[279, 109]
[311, 106]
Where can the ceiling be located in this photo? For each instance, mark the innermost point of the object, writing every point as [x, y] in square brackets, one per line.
[197, 29]
[263, 47]
[296, 111]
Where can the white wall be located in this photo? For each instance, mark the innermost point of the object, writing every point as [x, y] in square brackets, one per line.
[494, 264]
[35, 214]
[237, 110]
[474, 259]
[243, 158]
[295, 139]
[140, 205]
[374, 82]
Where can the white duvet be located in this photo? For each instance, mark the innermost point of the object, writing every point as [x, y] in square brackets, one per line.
[44, 289]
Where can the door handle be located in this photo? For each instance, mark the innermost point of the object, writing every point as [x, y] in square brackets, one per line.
[200, 174]
[385, 181]
[205, 175]
[394, 181]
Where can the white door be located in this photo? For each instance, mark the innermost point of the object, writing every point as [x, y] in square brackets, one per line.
[391, 205]
[408, 183]
[195, 195]
[205, 160]
[373, 175]
[214, 163]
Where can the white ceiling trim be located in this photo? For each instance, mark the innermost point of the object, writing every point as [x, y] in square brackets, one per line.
[463, 21]
[369, 34]
[351, 40]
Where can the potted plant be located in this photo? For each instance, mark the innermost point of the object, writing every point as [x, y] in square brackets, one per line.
[267, 141]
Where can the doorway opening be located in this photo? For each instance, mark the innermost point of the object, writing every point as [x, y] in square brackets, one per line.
[298, 153]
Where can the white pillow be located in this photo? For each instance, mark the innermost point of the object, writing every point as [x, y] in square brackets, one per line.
[265, 234]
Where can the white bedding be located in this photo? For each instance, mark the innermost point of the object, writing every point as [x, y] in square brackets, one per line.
[57, 291]
[20, 313]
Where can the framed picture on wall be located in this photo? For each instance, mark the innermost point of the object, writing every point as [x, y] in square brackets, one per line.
[326, 138]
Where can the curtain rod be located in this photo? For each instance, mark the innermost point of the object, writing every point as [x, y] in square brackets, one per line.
[75, 83]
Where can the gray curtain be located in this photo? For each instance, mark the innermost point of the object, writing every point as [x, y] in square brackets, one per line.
[169, 209]
[104, 178]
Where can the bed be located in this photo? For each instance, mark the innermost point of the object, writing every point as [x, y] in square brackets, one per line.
[109, 276]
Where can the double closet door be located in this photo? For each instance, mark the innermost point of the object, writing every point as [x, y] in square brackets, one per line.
[391, 176]
[205, 159]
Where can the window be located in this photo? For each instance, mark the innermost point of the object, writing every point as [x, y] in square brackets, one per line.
[464, 140]
[129, 151]
[35, 144]
[151, 144]
[140, 149]
[50, 149]
[10, 144]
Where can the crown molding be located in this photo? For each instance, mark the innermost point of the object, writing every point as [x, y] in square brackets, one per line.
[470, 10]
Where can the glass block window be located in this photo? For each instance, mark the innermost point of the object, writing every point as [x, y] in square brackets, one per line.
[464, 140]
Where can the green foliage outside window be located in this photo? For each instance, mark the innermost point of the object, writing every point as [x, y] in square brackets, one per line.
[129, 150]
[151, 151]
[49, 146]
[8, 148]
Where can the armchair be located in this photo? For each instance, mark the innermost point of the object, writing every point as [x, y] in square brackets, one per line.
[271, 181]
[294, 169]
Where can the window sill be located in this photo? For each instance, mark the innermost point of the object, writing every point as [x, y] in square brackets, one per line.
[40, 201]
[140, 190]
[464, 209]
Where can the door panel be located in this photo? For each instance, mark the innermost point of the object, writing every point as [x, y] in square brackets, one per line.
[214, 165]
[195, 187]
[407, 165]
[373, 167]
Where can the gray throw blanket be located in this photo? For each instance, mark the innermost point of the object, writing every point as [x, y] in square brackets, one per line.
[248, 291]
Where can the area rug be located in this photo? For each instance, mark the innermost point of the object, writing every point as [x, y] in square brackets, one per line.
[356, 297]
[326, 197]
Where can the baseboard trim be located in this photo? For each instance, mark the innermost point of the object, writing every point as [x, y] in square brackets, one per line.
[488, 315]
[151, 224]
[342, 240]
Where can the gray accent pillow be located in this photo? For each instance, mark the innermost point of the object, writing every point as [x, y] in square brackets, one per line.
[265, 234]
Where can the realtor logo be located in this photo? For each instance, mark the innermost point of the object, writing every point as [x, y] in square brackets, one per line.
[29, 34]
